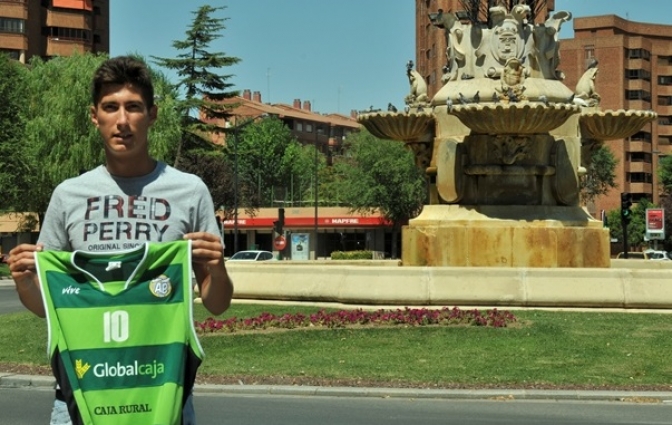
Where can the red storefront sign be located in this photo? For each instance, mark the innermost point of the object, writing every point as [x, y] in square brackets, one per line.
[297, 222]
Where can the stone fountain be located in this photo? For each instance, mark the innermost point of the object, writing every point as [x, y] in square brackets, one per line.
[504, 144]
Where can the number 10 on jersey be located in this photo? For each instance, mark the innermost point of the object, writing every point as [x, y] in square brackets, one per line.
[115, 326]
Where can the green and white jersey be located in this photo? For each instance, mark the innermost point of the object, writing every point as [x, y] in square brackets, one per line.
[122, 343]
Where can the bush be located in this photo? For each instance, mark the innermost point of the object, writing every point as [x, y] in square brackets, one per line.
[352, 255]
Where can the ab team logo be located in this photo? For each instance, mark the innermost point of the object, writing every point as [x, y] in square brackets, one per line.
[161, 286]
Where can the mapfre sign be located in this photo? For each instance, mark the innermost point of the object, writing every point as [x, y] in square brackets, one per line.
[655, 224]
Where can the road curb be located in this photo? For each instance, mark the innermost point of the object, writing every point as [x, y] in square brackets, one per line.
[13, 380]
[10, 380]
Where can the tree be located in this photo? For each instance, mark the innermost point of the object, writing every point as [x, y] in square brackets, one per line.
[273, 161]
[204, 90]
[636, 227]
[59, 140]
[382, 175]
[12, 154]
[600, 176]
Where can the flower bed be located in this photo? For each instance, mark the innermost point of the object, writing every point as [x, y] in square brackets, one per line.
[348, 318]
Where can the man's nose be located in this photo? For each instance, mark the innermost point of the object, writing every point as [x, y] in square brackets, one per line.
[122, 117]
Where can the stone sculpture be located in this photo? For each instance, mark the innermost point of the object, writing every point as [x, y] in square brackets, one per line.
[504, 144]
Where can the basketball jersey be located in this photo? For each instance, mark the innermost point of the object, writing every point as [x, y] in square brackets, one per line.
[122, 343]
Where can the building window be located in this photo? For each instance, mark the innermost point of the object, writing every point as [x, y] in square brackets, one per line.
[641, 136]
[13, 54]
[638, 95]
[589, 52]
[664, 140]
[68, 33]
[664, 60]
[12, 25]
[664, 100]
[638, 54]
[664, 120]
[665, 80]
[640, 178]
[637, 74]
[299, 126]
[309, 128]
[640, 157]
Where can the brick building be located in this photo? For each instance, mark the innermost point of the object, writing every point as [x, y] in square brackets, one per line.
[53, 27]
[635, 72]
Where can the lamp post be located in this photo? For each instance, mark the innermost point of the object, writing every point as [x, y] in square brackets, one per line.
[235, 176]
[316, 191]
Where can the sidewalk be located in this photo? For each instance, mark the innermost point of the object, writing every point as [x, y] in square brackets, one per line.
[8, 380]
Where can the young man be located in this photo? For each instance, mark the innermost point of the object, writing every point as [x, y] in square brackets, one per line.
[130, 200]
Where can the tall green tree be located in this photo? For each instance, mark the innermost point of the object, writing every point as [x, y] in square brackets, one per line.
[600, 176]
[59, 140]
[382, 175]
[12, 154]
[272, 160]
[204, 89]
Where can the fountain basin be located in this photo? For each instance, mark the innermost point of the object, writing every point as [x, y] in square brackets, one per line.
[514, 118]
[612, 125]
[409, 126]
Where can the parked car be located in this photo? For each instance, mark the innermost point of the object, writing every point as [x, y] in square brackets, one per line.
[658, 255]
[252, 255]
[634, 256]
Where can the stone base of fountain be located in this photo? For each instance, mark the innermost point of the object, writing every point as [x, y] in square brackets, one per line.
[505, 236]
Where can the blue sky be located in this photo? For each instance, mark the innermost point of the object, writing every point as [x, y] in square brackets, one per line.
[317, 50]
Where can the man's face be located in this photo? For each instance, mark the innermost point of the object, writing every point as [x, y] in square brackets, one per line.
[123, 120]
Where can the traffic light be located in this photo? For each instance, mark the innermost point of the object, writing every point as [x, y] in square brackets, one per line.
[626, 203]
[279, 224]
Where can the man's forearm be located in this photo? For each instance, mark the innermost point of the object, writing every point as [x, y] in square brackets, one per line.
[216, 290]
[30, 295]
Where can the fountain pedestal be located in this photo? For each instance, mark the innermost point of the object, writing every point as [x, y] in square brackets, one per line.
[505, 236]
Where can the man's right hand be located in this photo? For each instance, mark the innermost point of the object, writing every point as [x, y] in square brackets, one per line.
[22, 268]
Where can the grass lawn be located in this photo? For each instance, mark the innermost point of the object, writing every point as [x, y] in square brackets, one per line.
[4, 270]
[543, 350]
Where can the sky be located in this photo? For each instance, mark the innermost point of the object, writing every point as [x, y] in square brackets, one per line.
[341, 55]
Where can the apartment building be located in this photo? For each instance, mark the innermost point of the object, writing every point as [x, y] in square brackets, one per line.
[635, 72]
[48, 28]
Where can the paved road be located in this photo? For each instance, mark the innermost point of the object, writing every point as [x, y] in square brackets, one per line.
[9, 300]
[31, 406]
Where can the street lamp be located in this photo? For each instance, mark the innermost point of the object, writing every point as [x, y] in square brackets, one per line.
[235, 176]
[316, 127]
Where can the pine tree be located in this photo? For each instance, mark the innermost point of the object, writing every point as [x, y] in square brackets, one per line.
[204, 89]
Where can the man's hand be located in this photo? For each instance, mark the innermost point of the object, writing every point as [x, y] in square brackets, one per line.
[207, 256]
[22, 268]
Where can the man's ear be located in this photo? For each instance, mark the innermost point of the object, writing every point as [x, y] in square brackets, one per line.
[94, 115]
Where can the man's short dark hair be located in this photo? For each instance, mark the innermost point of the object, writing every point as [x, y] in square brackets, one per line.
[123, 70]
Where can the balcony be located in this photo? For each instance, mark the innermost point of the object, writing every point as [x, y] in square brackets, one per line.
[638, 146]
[17, 9]
[14, 41]
[639, 167]
[665, 130]
[60, 47]
[638, 187]
[81, 20]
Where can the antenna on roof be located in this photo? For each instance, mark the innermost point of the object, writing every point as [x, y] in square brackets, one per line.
[268, 85]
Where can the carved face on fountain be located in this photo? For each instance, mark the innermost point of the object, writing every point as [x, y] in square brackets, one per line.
[507, 42]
